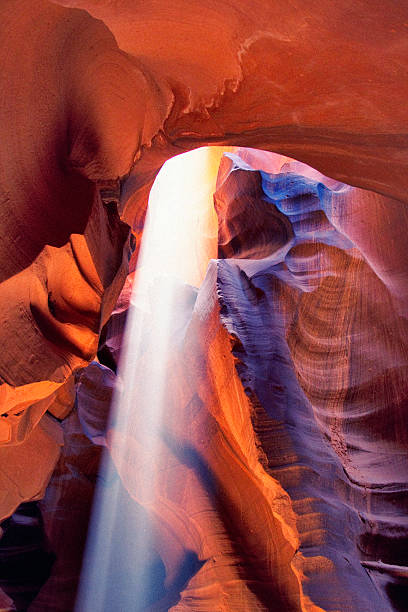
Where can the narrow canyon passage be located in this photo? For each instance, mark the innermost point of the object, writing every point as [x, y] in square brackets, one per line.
[243, 446]
[255, 456]
[221, 420]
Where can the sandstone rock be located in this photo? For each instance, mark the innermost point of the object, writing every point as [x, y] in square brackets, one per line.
[6, 604]
[321, 83]
[66, 508]
[112, 335]
[336, 346]
[212, 498]
[25, 469]
[100, 99]
[25, 557]
[95, 389]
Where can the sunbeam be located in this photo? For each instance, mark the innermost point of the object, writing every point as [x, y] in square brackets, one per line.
[179, 239]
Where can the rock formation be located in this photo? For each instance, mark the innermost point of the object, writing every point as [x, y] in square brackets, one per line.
[335, 358]
[309, 324]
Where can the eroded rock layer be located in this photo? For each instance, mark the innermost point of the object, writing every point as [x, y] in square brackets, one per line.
[321, 344]
[282, 455]
[315, 294]
[107, 89]
[211, 492]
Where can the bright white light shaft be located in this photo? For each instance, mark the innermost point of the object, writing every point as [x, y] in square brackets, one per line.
[179, 238]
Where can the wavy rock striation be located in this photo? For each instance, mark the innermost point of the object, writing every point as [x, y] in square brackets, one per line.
[104, 93]
[320, 340]
[99, 97]
[282, 458]
[212, 494]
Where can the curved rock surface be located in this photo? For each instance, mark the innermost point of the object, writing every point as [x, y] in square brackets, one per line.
[107, 97]
[211, 493]
[104, 93]
[321, 83]
[321, 343]
[306, 427]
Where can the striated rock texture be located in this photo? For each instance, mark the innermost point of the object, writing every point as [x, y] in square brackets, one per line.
[282, 459]
[321, 83]
[298, 445]
[320, 334]
[211, 493]
[63, 253]
[96, 95]
[107, 90]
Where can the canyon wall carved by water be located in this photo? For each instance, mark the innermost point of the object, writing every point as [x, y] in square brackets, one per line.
[283, 476]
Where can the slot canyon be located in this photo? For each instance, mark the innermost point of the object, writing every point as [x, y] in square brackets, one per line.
[204, 306]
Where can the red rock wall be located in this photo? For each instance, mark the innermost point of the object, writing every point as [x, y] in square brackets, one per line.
[320, 333]
[96, 95]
